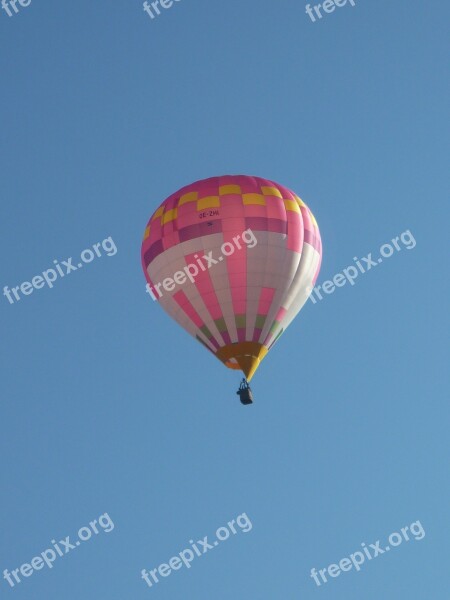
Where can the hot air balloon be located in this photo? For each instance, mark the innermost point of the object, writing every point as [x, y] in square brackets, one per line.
[233, 259]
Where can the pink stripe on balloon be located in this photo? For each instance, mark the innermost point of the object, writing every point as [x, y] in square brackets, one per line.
[183, 302]
[265, 300]
[255, 210]
[226, 337]
[234, 224]
[237, 275]
[205, 288]
[170, 239]
[241, 334]
[287, 194]
[155, 231]
[280, 314]
[214, 342]
[307, 222]
[275, 208]
[295, 231]
[312, 240]
[256, 335]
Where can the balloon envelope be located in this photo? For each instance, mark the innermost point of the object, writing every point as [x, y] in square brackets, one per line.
[233, 259]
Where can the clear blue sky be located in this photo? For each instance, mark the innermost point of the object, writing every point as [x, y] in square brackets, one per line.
[108, 407]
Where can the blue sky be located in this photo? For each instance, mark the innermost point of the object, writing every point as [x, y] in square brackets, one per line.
[108, 407]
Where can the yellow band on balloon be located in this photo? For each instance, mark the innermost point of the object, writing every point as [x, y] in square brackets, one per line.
[247, 354]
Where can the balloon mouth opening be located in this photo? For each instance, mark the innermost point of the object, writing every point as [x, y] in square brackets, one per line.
[244, 356]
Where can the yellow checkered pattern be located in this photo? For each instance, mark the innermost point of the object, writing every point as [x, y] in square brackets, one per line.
[215, 202]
